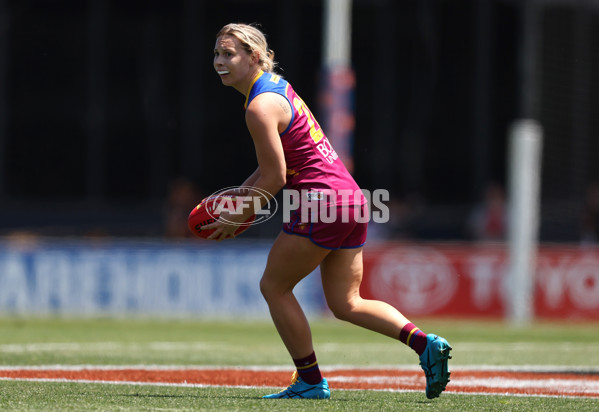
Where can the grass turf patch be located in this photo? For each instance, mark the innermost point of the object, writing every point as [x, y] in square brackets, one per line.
[35, 396]
[55, 341]
[41, 341]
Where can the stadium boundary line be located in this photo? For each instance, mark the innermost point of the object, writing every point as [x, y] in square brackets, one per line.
[464, 380]
[282, 368]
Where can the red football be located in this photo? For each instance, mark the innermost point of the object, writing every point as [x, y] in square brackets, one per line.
[208, 212]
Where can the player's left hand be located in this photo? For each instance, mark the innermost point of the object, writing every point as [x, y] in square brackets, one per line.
[222, 230]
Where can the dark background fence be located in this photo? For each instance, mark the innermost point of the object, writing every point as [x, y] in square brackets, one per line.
[112, 120]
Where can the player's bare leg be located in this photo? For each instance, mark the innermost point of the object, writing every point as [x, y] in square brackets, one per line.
[291, 259]
[341, 273]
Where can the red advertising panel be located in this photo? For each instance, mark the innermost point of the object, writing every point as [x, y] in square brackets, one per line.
[472, 280]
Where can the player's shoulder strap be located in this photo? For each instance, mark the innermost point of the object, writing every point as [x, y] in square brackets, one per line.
[266, 82]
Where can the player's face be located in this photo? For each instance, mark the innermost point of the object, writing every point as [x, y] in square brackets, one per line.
[233, 63]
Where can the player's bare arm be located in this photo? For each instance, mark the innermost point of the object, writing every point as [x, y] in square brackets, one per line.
[266, 118]
[283, 117]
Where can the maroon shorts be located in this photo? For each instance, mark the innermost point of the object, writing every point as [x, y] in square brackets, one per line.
[345, 232]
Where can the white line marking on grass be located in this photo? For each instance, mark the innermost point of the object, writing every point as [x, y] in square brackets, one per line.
[108, 346]
[563, 385]
[76, 368]
[468, 368]
[135, 383]
[332, 368]
[526, 346]
[566, 385]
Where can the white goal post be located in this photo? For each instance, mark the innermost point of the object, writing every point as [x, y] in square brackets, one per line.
[524, 170]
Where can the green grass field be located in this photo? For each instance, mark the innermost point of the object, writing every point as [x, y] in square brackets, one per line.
[26, 341]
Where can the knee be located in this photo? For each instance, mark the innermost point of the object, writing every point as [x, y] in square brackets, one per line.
[269, 289]
[342, 310]
[265, 288]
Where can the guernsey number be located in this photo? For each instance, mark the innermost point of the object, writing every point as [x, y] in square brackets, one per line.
[315, 133]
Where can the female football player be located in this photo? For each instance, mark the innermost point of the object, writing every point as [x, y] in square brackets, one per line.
[293, 152]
